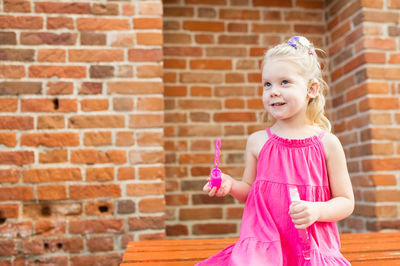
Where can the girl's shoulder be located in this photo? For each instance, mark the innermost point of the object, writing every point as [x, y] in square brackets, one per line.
[331, 144]
[256, 141]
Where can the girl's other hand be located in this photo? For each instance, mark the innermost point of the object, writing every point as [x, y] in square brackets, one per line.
[226, 186]
[304, 213]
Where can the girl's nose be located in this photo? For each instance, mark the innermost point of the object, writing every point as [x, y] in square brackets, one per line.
[275, 93]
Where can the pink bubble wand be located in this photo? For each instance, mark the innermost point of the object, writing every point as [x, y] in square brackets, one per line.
[215, 177]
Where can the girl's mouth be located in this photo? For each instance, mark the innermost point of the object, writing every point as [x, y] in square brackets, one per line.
[277, 104]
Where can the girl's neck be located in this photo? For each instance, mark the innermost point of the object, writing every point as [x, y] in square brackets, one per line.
[294, 130]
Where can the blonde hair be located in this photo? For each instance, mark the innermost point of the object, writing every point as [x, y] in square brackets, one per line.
[304, 56]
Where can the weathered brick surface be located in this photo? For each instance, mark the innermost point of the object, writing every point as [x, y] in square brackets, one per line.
[364, 117]
[73, 74]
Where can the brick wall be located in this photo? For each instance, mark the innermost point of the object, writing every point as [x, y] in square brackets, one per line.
[364, 49]
[81, 130]
[212, 53]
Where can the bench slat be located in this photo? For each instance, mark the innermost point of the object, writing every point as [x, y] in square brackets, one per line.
[359, 249]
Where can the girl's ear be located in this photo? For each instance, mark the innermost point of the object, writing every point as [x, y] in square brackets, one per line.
[313, 90]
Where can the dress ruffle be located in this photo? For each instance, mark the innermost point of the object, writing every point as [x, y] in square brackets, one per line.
[248, 251]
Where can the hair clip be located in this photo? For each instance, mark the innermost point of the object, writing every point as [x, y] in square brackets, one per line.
[295, 40]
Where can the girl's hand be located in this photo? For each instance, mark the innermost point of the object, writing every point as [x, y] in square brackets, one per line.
[304, 213]
[226, 186]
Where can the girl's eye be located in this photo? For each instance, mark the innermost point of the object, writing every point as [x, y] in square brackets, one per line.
[285, 82]
[267, 84]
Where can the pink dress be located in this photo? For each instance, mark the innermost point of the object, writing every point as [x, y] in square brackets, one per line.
[267, 234]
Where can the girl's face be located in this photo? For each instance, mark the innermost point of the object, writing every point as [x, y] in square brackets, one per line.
[285, 91]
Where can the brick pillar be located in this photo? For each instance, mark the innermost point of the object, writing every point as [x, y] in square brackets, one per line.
[363, 47]
[212, 52]
[81, 130]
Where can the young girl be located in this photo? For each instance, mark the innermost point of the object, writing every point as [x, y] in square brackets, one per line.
[297, 149]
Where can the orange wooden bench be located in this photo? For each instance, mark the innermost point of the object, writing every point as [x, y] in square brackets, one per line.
[360, 249]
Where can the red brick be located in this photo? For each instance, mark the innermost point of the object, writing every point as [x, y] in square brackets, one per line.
[145, 55]
[58, 139]
[19, 193]
[40, 38]
[60, 88]
[16, 122]
[126, 173]
[52, 192]
[143, 223]
[211, 64]
[239, 14]
[150, 173]
[8, 139]
[146, 121]
[96, 121]
[150, 104]
[92, 105]
[183, 51]
[8, 248]
[177, 230]
[394, 4]
[235, 117]
[100, 174]
[16, 157]
[151, 205]
[199, 213]
[149, 71]
[21, 22]
[237, 27]
[44, 245]
[97, 138]
[91, 88]
[97, 259]
[144, 189]
[150, 139]
[94, 191]
[377, 43]
[147, 23]
[214, 228]
[42, 71]
[53, 156]
[12, 71]
[97, 226]
[101, 243]
[49, 105]
[105, 9]
[128, 9]
[9, 175]
[50, 122]
[146, 156]
[51, 175]
[135, 87]
[8, 211]
[149, 38]
[91, 156]
[383, 73]
[152, 236]
[273, 3]
[379, 103]
[81, 55]
[125, 139]
[100, 208]
[51, 210]
[372, 3]
[60, 23]
[99, 24]
[150, 8]
[66, 8]
[271, 28]
[204, 26]
[381, 164]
